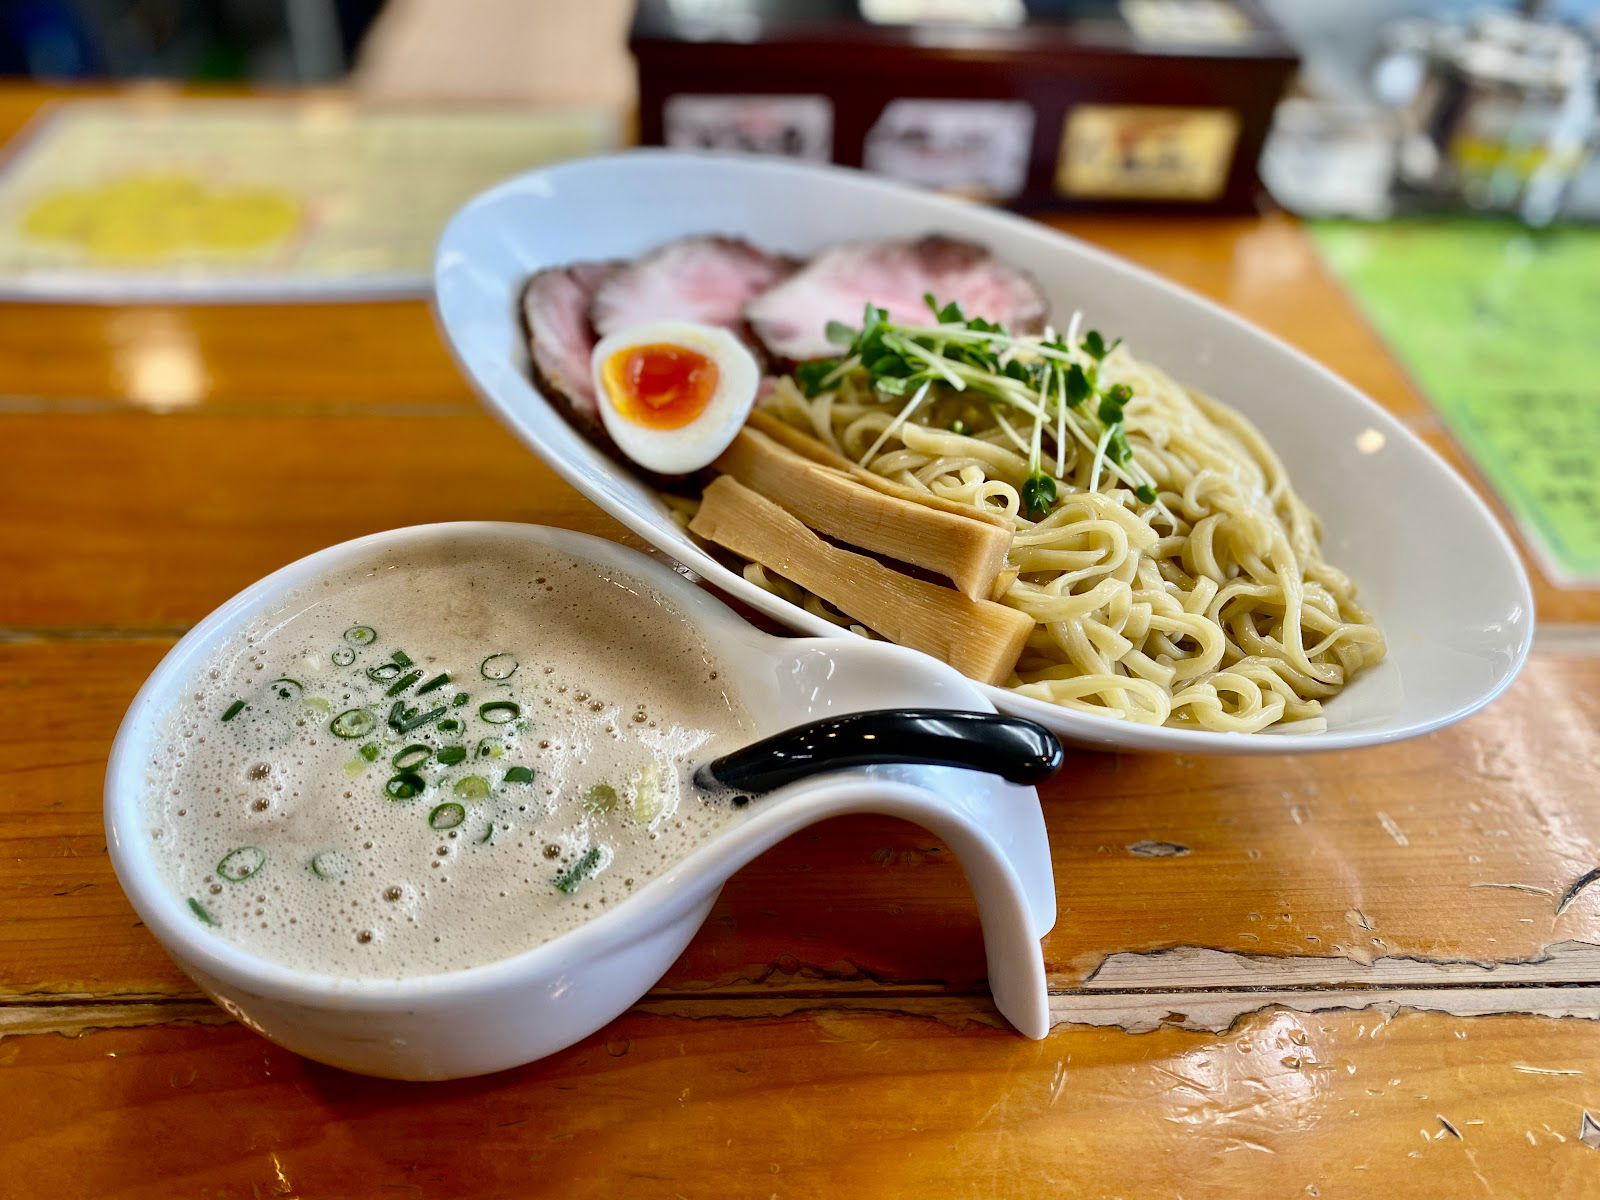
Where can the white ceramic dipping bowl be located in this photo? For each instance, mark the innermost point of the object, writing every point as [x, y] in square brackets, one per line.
[521, 1008]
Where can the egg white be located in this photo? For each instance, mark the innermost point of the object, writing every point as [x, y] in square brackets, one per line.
[694, 445]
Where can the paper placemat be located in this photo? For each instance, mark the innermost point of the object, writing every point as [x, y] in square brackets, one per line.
[166, 198]
[1497, 323]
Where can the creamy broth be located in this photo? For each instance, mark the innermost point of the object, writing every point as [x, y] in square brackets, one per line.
[438, 759]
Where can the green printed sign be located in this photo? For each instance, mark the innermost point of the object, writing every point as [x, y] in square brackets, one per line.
[1500, 325]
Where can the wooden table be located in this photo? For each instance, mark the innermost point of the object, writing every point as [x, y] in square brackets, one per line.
[1360, 974]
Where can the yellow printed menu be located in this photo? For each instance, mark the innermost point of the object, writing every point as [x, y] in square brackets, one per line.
[170, 198]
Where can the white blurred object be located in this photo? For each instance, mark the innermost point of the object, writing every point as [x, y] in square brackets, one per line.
[1501, 114]
[1326, 159]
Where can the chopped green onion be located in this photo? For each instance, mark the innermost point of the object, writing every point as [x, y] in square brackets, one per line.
[471, 787]
[369, 752]
[404, 720]
[488, 835]
[404, 786]
[573, 875]
[353, 723]
[437, 681]
[401, 659]
[199, 910]
[383, 672]
[449, 725]
[461, 698]
[401, 684]
[343, 656]
[449, 756]
[234, 710]
[286, 687]
[413, 755]
[328, 864]
[601, 798]
[238, 865]
[360, 635]
[499, 712]
[446, 816]
[498, 666]
[519, 775]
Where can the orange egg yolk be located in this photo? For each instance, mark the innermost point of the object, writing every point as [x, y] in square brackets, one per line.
[660, 386]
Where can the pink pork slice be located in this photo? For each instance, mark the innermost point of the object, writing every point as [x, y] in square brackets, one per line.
[555, 307]
[790, 318]
[702, 278]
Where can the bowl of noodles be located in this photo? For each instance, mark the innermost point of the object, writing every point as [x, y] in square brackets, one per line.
[1208, 542]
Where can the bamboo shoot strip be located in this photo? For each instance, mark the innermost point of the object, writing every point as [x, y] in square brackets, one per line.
[968, 552]
[804, 444]
[979, 638]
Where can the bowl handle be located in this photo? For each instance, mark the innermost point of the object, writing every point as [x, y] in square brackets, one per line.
[997, 833]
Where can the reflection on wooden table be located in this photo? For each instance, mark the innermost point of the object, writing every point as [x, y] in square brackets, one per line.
[1334, 975]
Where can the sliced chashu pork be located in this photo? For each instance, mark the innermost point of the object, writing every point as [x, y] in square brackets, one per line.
[704, 278]
[555, 309]
[790, 318]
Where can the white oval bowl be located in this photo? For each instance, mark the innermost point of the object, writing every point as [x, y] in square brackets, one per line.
[1440, 576]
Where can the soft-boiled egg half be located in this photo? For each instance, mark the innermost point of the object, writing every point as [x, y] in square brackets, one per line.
[674, 394]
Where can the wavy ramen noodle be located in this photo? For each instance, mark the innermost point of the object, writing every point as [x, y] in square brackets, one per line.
[1211, 608]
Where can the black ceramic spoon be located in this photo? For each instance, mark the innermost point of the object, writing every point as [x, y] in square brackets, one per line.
[1016, 750]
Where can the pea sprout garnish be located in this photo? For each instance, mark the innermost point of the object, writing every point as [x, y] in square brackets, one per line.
[238, 865]
[1043, 378]
[360, 635]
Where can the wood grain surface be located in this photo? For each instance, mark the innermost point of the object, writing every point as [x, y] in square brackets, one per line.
[1336, 975]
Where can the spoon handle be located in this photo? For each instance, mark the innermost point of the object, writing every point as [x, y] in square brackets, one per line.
[1017, 750]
